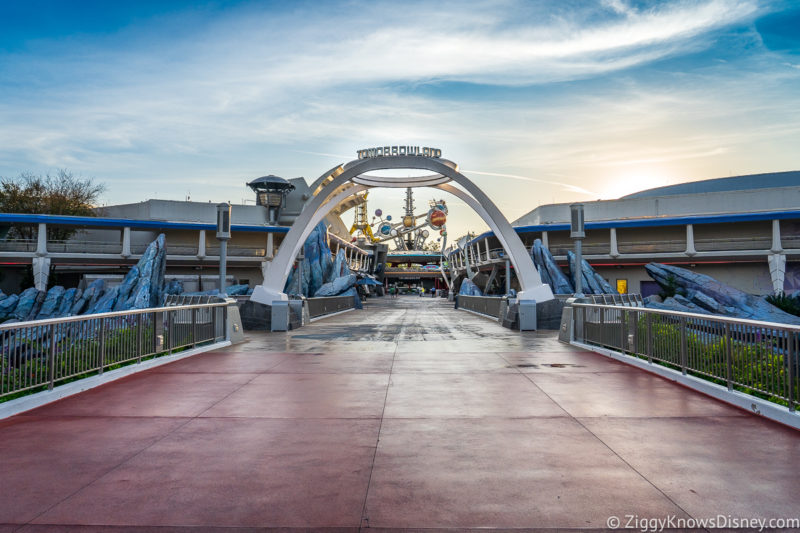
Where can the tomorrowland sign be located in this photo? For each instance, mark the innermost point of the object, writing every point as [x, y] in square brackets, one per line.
[383, 151]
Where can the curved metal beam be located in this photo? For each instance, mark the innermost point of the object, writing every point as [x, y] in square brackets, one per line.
[530, 282]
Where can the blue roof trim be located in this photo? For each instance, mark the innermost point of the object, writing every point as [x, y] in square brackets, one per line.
[98, 222]
[656, 222]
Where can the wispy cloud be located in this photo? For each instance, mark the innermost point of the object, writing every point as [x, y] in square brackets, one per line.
[256, 89]
[565, 186]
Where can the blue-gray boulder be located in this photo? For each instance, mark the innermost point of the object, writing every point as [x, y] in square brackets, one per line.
[7, 306]
[593, 283]
[174, 287]
[549, 270]
[337, 286]
[140, 297]
[90, 296]
[356, 298]
[237, 290]
[158, 271]
[124, 289]
[52, 303]
[27, 301]
[468, 288]
[340, 266]
[105, 303]
[714, 296]
[70, 297]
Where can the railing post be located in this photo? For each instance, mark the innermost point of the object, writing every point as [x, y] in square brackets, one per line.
[623, 331]
[649, 321]
[602, 336]
[225, 333]
[728, 357]
[684, 347]
[102, 354]
[52, 357]
[139, 333]
[170, 336]
[791, 368]
[194, 327]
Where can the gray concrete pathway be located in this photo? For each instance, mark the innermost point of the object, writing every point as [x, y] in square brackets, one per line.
[407, 415]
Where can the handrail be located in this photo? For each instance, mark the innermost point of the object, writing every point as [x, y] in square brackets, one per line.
[701, 316]
[79, 318]
[754, 357]
[37, 354]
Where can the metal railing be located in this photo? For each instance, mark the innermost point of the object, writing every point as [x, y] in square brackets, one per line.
[39, 354]
[485, 305]
[757, 358]
[626, 300]
[326, 305]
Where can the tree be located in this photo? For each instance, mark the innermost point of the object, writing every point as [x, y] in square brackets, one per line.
[432, 246]
[59, 194]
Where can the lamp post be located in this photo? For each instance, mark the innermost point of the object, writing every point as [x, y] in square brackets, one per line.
[271, 192]
[223, 234]
[576, 232]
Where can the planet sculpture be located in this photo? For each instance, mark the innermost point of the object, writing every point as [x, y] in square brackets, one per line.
[438, 218]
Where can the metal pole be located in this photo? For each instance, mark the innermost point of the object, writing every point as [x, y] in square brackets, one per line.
[508, 276]
[223, 258]
[578, 268]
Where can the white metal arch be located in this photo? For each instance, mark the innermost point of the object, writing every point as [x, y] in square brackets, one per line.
[322, 204]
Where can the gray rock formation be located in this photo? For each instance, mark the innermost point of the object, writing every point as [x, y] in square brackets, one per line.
[52, 303]
[549, 270]
[142, 287]
[337, 286]
[697, 291]
[321, 275]
[468, 288]
[593, 283]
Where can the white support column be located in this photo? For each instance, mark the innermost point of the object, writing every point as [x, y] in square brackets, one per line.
[690, 250]
[614, 252]
[777, 271]
[270, 246]
[488, 255]
[201, 245]
[41, 272]
[126, 242]
[777, 246]
[545, 240]
[41, 240]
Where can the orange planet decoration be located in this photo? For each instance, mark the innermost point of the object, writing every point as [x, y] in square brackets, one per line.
[438, 218]
[408, 221]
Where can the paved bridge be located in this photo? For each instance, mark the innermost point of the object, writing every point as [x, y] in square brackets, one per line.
[405, 415]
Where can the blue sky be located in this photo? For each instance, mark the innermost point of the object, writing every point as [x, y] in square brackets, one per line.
[538, 101]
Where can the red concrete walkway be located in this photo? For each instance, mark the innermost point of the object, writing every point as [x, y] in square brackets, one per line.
[405, 415]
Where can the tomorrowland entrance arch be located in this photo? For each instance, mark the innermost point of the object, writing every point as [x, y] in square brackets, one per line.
[352, 178]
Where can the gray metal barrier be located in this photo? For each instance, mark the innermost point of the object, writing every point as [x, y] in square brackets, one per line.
[42, 353]
[627, 300]
[757, 358]
[485, 305]
[318, 307]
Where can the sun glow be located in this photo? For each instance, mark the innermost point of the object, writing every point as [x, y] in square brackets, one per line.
[631, 182]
